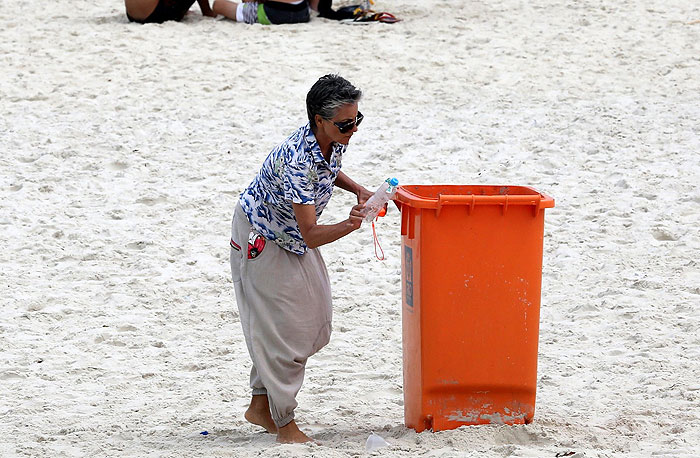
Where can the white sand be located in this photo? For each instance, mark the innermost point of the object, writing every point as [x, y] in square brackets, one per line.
[124, 148]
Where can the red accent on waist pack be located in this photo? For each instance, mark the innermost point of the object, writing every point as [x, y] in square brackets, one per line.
[256, 245]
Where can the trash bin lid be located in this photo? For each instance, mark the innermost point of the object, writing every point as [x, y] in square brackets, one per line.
[437, 196]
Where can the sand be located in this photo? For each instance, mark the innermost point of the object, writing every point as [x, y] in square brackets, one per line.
[124, 148]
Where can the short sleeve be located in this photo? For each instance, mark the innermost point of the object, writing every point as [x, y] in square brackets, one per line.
[298, 180]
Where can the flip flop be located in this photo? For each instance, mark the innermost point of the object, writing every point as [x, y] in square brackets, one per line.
[371, 16]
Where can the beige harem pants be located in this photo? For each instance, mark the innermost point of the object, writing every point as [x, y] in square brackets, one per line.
[284, 303]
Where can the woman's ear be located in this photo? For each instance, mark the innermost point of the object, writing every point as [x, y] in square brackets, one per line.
[317, 120]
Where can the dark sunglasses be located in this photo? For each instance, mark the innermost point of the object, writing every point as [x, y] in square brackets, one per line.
[346, 126]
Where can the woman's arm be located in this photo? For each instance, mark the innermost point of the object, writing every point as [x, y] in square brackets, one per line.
[345, 182]
[316, 235]
[206, 9]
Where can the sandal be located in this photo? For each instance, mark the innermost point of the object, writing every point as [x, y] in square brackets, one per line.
[371, 16]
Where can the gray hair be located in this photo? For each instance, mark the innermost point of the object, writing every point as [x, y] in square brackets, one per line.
[328, 94]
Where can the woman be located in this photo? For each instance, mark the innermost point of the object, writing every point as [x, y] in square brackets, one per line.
[280, 279]
[266, 11]
[159, 11]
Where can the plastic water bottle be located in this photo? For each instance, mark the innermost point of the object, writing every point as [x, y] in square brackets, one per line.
[384, 194]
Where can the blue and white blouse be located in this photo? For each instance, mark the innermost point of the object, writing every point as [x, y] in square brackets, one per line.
[294, 172]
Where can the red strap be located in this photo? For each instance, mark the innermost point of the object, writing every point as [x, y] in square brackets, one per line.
[376, 243]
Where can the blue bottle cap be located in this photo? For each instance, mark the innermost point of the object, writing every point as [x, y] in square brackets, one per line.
[393, 181]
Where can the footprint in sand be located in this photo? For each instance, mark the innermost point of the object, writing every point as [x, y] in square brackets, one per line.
[150, 201]
[11, 375]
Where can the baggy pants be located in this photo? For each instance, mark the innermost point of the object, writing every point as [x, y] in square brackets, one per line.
[284, 303]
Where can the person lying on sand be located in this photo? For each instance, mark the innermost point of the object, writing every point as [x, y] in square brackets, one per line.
[159, 11]
[266, 11]
[280, 279]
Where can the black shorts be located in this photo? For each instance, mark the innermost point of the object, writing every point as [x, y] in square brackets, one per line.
[286, 13]
[167, 10]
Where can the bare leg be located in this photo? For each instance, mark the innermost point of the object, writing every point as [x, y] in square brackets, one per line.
[206, 10]
[225, 8]
[290, 434]
[258, 413]
[140, 9]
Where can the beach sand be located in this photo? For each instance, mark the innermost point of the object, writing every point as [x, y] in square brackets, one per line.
[125, 146]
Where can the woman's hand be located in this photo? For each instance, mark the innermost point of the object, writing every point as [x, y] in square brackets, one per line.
[356, 217]
[362, 195]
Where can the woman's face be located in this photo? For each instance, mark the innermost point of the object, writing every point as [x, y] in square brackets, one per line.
[346, 113]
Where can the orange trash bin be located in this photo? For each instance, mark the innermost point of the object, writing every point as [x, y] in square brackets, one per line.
[471, 282]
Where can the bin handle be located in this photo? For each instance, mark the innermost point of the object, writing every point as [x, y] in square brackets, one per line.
[472, 200]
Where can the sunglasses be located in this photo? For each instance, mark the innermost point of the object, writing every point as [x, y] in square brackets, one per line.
[346, 126]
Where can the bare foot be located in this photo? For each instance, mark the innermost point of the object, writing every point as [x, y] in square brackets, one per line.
[258, 413]
[291, 434]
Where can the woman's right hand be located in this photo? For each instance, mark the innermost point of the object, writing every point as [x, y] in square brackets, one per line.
[356, 217]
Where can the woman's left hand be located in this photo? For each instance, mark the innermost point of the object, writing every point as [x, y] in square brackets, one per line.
[363, 194]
